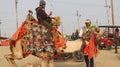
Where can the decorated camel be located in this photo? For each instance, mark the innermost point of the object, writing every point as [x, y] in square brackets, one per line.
[33, 38]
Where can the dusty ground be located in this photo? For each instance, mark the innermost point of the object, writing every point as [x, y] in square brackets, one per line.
[106, 58]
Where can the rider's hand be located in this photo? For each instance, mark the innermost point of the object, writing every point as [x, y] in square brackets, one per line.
[50, 13]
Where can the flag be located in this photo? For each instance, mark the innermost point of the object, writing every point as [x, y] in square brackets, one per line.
[91, 51]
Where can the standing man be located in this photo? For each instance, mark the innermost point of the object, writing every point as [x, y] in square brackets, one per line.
[116, 39]
[88, 48]
[76, 34]
[86, 39]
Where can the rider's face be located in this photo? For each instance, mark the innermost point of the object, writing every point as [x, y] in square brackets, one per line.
[43, 6]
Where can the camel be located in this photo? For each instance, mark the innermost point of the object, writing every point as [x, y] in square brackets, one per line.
[33, 38]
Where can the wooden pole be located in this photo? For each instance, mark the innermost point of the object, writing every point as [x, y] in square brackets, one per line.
[112, 10]
[16, 2]
[107, 11]
[78, 20]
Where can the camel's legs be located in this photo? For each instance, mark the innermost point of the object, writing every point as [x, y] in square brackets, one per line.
[11, 61]
[51, 63]
[44, 63]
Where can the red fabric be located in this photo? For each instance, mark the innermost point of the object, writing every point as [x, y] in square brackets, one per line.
[86, 49]
[91, 51]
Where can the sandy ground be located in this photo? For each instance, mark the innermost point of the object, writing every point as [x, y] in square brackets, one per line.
[106, 58]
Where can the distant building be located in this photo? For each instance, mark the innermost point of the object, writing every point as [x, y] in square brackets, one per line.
[3, 38]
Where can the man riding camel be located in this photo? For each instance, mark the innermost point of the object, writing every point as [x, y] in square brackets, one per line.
[43, 17]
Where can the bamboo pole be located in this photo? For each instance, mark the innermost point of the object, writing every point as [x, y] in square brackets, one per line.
[78, 19]
[112, 10]
[107, 11]
[16, 2]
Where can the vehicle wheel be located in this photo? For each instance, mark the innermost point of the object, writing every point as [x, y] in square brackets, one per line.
[101, 46]
[78, 56]
[67, 56]
[64, 57]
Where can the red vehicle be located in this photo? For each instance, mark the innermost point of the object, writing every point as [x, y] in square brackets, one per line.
[107, 41]
[5, 42]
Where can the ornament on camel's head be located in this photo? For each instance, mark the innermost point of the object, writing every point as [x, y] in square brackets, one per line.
[56, 21]
[58, 18]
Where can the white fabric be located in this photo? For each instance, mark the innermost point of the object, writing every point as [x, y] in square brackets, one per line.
[80, 33]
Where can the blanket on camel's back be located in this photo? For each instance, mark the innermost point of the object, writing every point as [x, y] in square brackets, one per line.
[35, 39]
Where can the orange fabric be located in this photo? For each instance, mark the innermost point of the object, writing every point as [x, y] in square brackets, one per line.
[58, 41]
[20, 32]
[63, 41]
[91, 51]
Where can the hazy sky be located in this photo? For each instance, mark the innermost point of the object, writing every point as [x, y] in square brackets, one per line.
[67, 9]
